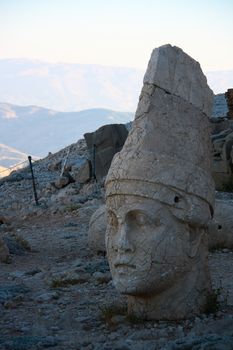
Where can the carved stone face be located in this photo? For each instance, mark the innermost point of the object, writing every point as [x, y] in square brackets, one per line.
[148, 248]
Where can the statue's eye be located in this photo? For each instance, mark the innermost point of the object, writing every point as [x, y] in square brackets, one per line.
[142, 219]
[138, 218]
[112, 219]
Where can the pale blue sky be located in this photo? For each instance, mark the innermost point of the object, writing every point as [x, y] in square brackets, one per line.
[117, 32]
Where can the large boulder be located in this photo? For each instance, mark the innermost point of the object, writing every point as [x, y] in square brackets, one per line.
[82, 174]
[102, 145]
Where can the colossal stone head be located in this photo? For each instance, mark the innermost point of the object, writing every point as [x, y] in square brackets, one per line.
[159, 193]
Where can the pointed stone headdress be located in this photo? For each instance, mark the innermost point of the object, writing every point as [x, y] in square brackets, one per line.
[167, 154]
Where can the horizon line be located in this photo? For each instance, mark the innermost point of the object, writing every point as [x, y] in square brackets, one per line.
[39, 60]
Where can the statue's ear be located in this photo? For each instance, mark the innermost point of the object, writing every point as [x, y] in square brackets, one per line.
[195, 238]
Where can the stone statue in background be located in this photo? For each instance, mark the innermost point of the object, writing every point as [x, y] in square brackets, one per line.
[221, 226]
[96, 231]
[160, 194]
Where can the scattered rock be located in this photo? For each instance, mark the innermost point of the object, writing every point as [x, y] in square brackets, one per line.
[83, 173]
[213, 342]
[15, 246]
[55, 166]
[63, 181]
[4, 251]
[27, 342]
[9, 292]
[46, 297]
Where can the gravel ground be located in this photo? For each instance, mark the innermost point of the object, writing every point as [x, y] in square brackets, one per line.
[59, 295]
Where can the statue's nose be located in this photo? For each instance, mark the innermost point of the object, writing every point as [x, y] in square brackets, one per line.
[124, 244]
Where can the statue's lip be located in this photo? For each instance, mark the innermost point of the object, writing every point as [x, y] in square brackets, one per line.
[124, 265]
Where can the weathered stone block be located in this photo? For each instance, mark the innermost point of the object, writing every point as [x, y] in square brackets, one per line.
[103, 144]
[83, 173]
[177, 73]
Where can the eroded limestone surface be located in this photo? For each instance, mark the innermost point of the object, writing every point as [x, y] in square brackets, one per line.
[160, 194]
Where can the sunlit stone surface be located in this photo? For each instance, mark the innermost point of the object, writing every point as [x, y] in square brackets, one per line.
[159, 193]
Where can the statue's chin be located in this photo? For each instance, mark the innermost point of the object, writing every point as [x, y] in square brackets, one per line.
[137, 286]
[132, 287]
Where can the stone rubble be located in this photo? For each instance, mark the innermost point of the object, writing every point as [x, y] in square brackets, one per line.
[59, 294]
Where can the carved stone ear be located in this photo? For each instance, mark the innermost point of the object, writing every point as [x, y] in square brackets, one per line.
[195, 238]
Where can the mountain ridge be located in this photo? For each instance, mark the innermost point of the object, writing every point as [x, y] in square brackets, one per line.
[69, 87]
[75, 87]
[35, 130]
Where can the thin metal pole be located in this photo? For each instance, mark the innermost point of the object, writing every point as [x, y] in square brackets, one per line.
[94, 161]
[33, 180]
[63, 168]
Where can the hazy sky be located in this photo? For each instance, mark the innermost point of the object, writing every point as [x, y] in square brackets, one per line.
[117, 32]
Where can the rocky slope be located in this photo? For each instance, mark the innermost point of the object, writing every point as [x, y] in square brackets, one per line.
[54, 292]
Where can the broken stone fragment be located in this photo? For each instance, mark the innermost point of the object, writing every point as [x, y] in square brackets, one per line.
[83, 173]
[177, 73]
[63, 181]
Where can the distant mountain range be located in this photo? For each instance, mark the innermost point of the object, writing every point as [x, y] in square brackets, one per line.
[37, 131]
[95, 91]
[69, 87]
[75, 87]
[33, 130]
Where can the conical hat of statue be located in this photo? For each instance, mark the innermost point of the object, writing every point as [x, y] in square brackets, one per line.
[167, 155]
